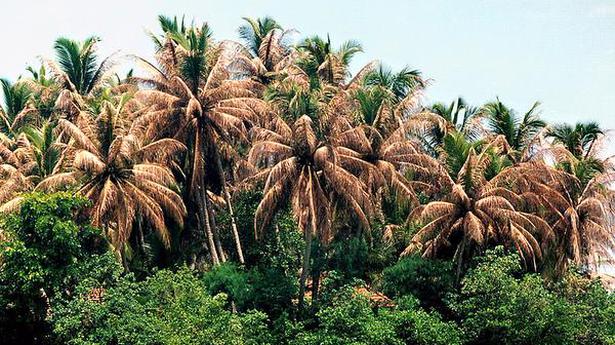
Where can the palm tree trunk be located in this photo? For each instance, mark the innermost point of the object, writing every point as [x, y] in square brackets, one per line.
[305, 268]
[206, 226]
[459, 253]
[589, 149]
[214, 228]
[316, 271]
[227, 196]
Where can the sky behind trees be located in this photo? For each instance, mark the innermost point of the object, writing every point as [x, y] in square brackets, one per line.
[561, 53]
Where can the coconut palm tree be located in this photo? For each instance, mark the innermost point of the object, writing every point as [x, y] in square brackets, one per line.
[385, 97]
[321, 62]
[27, 160]
[396, 84]
[122, 171]
[299, 167]
[588, 224]
[475, 214]
[45, 148]
[578, 139]
[196, 102]
[16, 170]
[384, 163]
[45, 92]
[460, 117]
[14, 109]
[518, 131]
[255, 31]
[268, 53]
[575, 199]
[78, 64]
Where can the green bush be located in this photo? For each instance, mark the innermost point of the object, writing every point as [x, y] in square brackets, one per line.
[499, 304]
[429, 280]
[350, 319]
[166, 308]
[227, 278]
[416, 326]
[46, 251]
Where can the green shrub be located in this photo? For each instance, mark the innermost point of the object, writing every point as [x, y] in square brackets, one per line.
[429, 280]
[416, 326]
[350, 319]
[167, 308]
[45, 253]
[500, 304]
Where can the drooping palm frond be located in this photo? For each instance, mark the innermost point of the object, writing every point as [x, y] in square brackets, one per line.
[113, 165]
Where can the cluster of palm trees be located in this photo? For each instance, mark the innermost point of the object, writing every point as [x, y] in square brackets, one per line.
[166, 147]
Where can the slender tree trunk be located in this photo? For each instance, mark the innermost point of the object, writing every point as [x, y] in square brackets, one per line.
[316, 271]
[141, 236]
[206, 226]
[589, 149]
[227, 196]
[212, 222]
[305, 269]
[462, 248]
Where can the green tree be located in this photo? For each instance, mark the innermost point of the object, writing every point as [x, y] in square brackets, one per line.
[499, 304]
[166, 308]
[45, 251]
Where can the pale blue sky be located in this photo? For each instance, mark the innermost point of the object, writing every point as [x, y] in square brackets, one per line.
[559, 52]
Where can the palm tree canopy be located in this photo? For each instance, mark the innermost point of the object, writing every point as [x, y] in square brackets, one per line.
[577, 139]
[398, 84]
[326, 63]
[518, 131]
[253, 33]
[78, 60]
[15, 96]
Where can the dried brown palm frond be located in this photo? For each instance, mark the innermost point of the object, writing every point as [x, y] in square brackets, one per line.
[299, 167]
[206, 97]
[295, 154]
[357, 80]
[25, 164]
[579, 212]
[478, 213]
[123, 172]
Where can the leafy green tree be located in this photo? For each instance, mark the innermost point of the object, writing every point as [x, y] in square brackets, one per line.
[166, 308]
[499, 304]
[350, 319]
[46, 250]
[429, 280]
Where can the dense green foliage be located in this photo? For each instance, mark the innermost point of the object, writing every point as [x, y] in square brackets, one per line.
[166, 308]
[88, 300]
[499, 304]
[48, 250]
